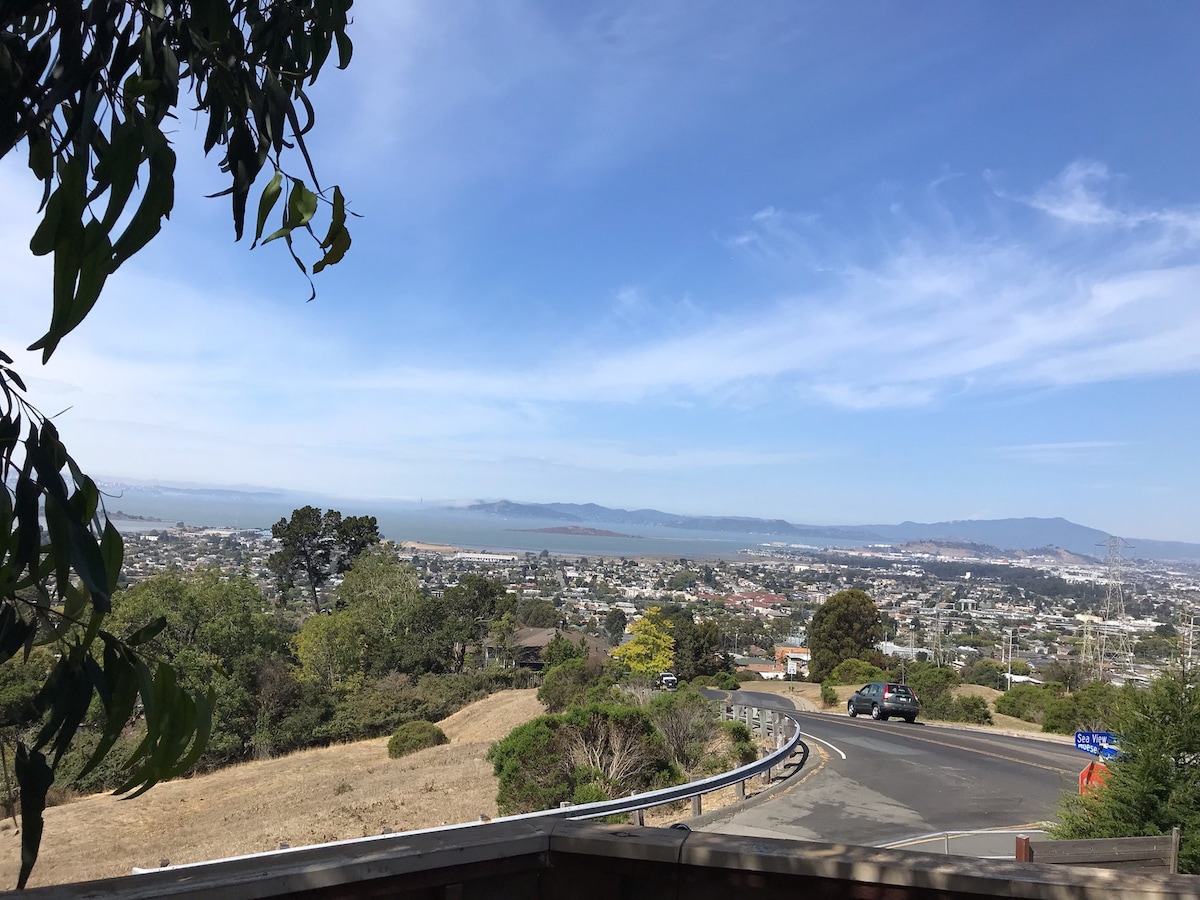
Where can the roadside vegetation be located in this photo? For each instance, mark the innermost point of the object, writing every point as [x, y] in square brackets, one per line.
[278, 678]
[600, 742]
[1153, 784]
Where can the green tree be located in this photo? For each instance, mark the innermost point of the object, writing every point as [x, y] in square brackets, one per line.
[381, 623]
[469, 607]
[316, 546]
[218, 636]
[571, 683]
[560, 649]
[697, 647]
[1091, 708]
[854, 671]
[1154, 783]
[1069, 674]
[90, 90]
[846, 625]
[652, 649]
[986, 672]
[615, 621]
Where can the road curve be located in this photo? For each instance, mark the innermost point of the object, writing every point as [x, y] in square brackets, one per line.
[874, 783]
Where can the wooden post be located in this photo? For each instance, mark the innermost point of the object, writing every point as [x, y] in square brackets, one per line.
[697, 806]
[739, 790]
[1174, 860]
[1024, 851]
[637, 817]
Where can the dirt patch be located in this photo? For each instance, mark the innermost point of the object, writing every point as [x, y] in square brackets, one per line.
[333, 793]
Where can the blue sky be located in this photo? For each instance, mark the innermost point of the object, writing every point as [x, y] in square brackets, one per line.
[829, 262]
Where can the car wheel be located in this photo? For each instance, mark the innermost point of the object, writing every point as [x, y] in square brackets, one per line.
[875, 712]
[910, 719]
[851, 710]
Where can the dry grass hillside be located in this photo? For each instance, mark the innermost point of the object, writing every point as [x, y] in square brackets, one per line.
[333, 793]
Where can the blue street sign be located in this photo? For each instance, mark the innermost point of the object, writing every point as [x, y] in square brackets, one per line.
[1097, 743]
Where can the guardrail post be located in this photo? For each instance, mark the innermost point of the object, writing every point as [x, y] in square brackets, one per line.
[1023, 853]
[696, 806]
[637, 817]
[739, 790]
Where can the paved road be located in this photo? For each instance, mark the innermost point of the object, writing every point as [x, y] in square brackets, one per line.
[885, 783]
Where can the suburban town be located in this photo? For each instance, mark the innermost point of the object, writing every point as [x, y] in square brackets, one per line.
[950, 603]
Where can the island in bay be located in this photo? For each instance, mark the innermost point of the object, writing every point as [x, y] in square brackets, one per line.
[579, 530]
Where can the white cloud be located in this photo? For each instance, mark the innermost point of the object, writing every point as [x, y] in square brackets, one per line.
[176, 380]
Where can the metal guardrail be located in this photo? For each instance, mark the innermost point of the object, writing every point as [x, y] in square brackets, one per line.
[947, 836]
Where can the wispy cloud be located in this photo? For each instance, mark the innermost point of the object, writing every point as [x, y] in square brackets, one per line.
[923, 312]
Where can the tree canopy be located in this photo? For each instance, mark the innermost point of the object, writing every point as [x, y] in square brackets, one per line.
[846, 625]
[1154, 783]
[316, 546]
[652, 649]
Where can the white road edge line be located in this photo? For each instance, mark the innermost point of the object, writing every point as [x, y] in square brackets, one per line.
[825, 742]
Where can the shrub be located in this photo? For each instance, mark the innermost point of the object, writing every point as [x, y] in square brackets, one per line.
[855, 671]
[1091, 708]
[744, 675]
[608, 746]
[687, 722]
[529, 765]
[413, 736]
[972, 709]
[828, 694]
[1027, 701]
[741, 741]
[727, 682]
[572, 683]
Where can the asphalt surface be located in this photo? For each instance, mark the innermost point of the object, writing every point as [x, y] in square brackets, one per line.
[895, 784]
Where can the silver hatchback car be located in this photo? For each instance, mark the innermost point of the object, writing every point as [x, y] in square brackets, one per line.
[883, 699]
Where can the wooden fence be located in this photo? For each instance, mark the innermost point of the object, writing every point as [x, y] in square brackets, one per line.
[1155, 852]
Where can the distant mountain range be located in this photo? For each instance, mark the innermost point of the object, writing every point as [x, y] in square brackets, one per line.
[1009, 534]
[258, 507]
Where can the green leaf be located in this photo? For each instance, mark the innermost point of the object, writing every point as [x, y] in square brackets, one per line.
[112, 552]
[345, 48]
[302, 205]
[122, 693]
[44, 237]
[14, 631]
[341, 243]
[35, 778]
[337, 223]
[266, 203]
[147, 632]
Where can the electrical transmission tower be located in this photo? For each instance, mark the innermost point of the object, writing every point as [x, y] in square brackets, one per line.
[1107, 645]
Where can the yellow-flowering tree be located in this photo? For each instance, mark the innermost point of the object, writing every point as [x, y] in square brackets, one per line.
[652, 649]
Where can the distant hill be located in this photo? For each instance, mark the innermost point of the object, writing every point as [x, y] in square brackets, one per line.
[1055, 536]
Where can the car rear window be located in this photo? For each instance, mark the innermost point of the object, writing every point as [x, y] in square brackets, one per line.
[900, 690]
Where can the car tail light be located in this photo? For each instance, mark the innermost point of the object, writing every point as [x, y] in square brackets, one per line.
[886, 693]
